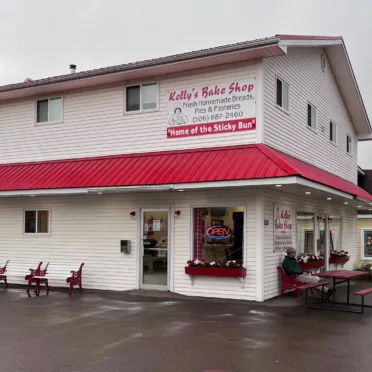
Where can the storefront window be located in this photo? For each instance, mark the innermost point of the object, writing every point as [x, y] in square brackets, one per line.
[366, 241]
[334, 233]
[218, 233]
[305, 232]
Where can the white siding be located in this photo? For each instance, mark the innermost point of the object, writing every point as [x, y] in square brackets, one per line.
[272, 260]
[94, 123]
[289, 132]
[89, 229]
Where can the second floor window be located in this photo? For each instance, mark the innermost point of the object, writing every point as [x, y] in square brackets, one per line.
[311, 116]
[348, 144]
[282, 94]
[49, 110]
[141, 97]
[332, 132]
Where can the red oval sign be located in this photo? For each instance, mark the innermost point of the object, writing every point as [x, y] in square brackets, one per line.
[219, 232]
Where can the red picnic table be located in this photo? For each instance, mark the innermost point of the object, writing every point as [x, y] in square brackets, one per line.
[344, 276]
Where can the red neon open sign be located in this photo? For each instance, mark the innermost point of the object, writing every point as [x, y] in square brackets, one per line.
[219, 232]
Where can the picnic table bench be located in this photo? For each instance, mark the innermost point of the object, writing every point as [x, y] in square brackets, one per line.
[306, 287]
[345, 276]
[362, 293]
[40, 276]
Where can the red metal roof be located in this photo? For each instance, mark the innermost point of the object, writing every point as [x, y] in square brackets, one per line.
[172, 167]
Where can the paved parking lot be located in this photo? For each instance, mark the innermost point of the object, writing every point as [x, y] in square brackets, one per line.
[138, 332]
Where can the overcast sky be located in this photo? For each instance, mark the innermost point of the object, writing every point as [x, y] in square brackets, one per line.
[40, 38]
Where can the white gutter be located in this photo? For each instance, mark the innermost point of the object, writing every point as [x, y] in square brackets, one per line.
[187, 186]
[237, 183]
[330, 190]
[46, 192]
[369, 202]
[120, 189]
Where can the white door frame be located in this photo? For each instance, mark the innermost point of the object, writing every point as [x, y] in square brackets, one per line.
[140, 250]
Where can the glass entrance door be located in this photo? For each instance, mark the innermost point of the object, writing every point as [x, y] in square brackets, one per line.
[154, 244]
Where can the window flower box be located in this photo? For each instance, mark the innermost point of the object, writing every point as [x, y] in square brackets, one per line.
[311, 265]
[212, 271]
[339, 257]
[222, 269]
[308, 261]
[338, 260]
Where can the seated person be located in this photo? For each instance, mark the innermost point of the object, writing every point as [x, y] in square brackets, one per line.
[291, 267]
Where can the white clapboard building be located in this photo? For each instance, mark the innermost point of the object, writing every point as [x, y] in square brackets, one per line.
[232, 153]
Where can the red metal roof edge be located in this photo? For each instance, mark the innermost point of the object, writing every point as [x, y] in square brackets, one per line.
[140, 154]
[274, 156]
[277, 154]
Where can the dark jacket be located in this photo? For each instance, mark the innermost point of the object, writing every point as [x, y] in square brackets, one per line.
[291, 266]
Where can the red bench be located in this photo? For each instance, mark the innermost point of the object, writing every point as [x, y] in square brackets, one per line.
[76, 279]
[289, 283]
[41, 276]
[363, 293]
[2, 276]
[37, 276]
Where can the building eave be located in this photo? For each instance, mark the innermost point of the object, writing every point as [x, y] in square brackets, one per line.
[227, 54]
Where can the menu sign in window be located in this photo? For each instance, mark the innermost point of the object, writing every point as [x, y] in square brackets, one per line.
[213, 109]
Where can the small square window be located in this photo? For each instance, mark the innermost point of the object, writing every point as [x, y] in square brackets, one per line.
[36, 222]
[282, 94]
[311, 116]
[332, 132]
[348, 144]
[49, 110]
[141, 97]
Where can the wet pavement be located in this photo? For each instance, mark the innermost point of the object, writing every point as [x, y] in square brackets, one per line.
[141, 331]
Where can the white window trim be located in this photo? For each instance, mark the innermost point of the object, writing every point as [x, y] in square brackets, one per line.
[362, 256]
[49, 122]
[276, 96]
[37, 210]
[222, 205]
[351, 145]
[335, 132]
[316, 117]
[140, 111]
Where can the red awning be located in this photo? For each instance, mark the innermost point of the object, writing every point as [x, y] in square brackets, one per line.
[164, 168]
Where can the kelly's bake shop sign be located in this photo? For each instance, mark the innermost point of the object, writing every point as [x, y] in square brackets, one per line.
[212, 109]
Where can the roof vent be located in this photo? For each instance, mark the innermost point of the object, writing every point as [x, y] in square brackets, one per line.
[72, 69]
[28, 80]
